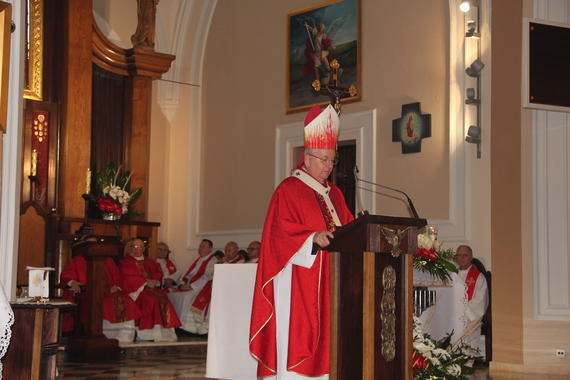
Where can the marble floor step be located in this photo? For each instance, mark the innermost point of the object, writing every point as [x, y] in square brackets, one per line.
[142, 349]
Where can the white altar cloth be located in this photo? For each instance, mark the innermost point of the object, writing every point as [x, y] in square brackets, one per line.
[230, 313]
[449, 312]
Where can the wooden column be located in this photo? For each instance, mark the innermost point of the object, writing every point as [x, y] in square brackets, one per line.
[76, 106]
[137, 133]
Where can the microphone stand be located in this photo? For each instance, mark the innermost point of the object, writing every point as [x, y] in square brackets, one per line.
[358, 199]
[410, 203]
[399, 191]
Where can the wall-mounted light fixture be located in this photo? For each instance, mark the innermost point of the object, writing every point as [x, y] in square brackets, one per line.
[473, 134]
[470, 95]
[472, 29]
[475, 69]
[473, 94]
[474, 137]
[465, 6]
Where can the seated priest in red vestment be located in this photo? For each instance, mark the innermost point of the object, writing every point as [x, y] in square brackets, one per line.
[477, 293]
[290, 320]
[119, 310]
[192, 299]
[141, 280]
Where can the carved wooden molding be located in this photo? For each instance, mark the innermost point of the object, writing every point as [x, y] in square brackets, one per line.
[129, 62]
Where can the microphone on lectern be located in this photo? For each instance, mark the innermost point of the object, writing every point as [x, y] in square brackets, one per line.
[410, 203]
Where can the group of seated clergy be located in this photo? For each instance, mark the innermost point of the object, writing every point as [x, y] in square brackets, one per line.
[192, 297]
[151, 300]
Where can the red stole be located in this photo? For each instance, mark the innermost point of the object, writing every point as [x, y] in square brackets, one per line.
[471, 280]
[202, 301]
[200, 271]
[235, 260]
[170, 266]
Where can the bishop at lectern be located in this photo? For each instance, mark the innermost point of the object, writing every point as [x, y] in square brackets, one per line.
[290, 323]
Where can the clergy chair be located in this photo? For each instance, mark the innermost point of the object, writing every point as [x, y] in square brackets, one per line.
[487, 326]
[35, 248]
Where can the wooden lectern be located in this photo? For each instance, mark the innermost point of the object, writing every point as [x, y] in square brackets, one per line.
[93, 346]
[372, 298]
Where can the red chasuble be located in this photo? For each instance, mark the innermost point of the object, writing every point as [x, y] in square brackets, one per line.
[154, 304]
[295, 212]
[117, 307]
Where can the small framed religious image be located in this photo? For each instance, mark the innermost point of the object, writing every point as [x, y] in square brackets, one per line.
[318, 35]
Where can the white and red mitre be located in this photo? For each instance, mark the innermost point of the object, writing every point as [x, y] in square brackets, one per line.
[321, 128]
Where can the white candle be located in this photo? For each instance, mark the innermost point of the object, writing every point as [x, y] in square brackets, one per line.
[88, 181]
[34, 170]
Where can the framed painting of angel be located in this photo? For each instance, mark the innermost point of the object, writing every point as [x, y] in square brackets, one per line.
[318, 35]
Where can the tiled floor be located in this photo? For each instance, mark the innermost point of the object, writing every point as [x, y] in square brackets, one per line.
[185, 359]
[152, 363]
[164, 367]
[193, 366]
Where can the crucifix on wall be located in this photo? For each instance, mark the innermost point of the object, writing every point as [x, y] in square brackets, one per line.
[333, 89]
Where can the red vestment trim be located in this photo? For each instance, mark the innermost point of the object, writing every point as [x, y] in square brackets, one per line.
[471, 280]
[170, 266]
[200, 271]
[202, 300]
[235, 260]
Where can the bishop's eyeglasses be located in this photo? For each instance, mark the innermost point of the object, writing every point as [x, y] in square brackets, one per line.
[325, 161]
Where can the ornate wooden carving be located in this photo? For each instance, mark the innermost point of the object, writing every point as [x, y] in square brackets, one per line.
[135, 61]
[146, 12]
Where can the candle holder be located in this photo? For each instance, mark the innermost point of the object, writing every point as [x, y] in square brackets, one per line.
[86, 228]
[432, 232]
[33, 184]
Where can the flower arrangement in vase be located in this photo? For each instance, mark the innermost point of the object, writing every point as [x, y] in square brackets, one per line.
[432, 260]
[115, 198]
[441, 359]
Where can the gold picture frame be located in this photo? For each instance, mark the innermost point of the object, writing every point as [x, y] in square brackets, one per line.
[33, 86]
[339, 40]
[5, 38]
